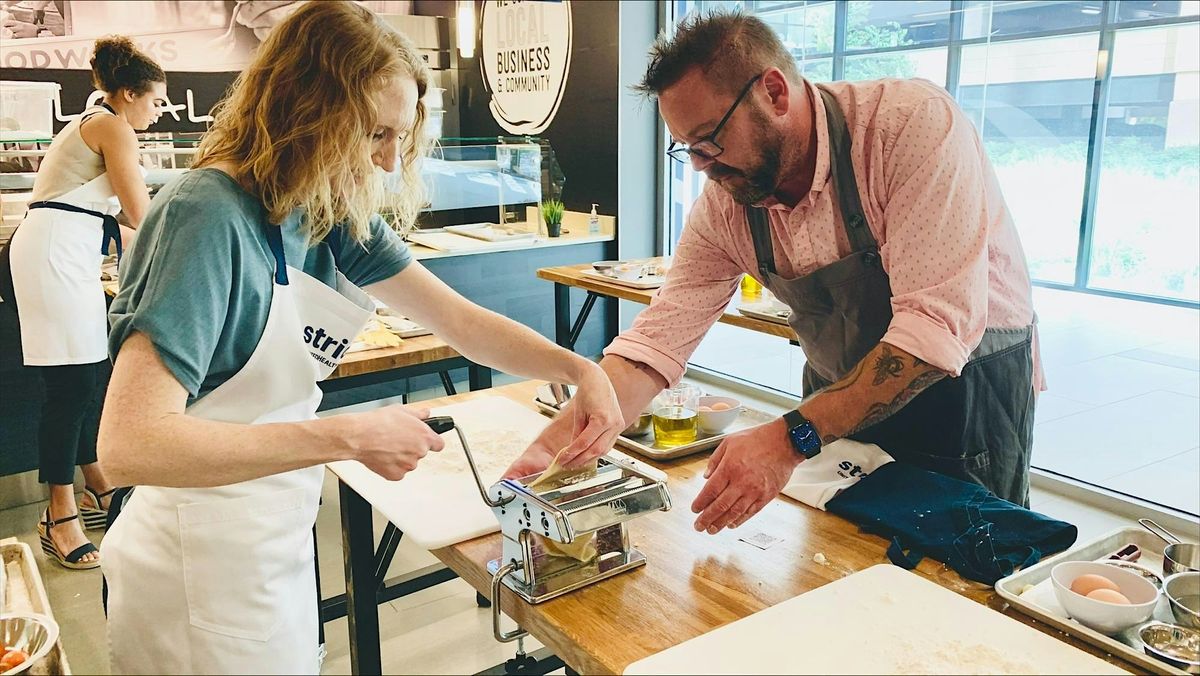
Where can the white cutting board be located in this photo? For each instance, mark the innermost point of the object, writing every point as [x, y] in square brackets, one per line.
[882, 620]
[448, 241]
[438, 504]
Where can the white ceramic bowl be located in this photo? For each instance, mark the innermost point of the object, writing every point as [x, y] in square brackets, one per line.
[1106, 618]
[715, 422]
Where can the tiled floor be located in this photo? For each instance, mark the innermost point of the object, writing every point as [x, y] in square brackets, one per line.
[1123, 408]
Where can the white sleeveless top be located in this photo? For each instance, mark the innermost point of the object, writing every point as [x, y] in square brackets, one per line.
[69, 163]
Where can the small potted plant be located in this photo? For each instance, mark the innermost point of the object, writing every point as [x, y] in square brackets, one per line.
[552, 214]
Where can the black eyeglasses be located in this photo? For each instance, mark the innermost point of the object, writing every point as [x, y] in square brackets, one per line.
[707, 147]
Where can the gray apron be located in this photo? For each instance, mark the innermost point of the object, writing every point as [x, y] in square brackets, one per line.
[976, 427]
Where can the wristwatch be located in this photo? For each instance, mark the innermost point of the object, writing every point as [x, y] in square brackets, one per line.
[802, 434]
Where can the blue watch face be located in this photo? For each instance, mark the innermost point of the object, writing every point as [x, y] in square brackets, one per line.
[805, 439]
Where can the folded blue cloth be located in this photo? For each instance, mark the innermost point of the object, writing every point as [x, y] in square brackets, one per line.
[961, 524]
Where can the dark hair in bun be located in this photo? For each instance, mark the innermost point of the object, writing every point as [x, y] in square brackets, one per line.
[117, 63]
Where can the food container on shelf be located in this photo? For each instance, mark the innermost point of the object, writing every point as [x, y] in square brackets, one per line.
[27, 110]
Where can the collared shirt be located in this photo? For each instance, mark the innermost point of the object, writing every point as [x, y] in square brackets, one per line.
[932, 200]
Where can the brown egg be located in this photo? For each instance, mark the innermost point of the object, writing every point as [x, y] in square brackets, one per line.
[1109, 596]
[706, 409]
[720, 406]
[1087, 583]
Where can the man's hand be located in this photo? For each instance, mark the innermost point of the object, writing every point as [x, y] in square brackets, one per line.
[745, 473]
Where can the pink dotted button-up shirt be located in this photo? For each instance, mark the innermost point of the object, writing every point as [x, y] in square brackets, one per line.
[932, 200]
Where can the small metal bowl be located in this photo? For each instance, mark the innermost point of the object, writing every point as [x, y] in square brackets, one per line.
[30, 633]
[1183, 591]
[1183, 557]
[1175, 645]
[640, 426]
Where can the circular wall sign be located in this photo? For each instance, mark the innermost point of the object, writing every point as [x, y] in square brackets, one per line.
[525, 56]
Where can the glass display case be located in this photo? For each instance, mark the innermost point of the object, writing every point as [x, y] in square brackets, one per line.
[469, 180]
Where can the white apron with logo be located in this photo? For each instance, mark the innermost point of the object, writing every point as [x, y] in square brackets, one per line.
[220, 580]
[837, 467]
[55, 260]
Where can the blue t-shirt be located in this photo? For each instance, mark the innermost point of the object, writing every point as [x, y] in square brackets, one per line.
[199, 277]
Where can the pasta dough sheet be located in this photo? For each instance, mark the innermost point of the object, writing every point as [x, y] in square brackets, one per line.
[583, 548]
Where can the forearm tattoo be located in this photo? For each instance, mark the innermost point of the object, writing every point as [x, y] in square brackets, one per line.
[880, 411]
[887, 365]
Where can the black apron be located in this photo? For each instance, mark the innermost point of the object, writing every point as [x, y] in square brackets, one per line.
[977, 427]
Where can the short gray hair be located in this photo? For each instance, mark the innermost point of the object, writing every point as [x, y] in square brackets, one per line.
[730, 47]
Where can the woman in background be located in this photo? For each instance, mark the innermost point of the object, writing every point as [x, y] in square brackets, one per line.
[90, 172]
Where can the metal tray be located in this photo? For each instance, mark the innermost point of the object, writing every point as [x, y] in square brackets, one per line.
[25, 593]
[645, 444]
[1030, 591]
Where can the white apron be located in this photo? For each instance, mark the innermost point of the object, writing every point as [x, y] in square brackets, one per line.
[220, 580]
[837, 467]
[55, 259]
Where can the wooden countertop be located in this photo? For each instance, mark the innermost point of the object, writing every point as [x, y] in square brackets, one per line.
[572, 275]
[413, 351]
[693, 582]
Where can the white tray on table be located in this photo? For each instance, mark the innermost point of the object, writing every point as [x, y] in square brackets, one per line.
[1030, 591]
[643, 282]
[645, 444]
[768, 311]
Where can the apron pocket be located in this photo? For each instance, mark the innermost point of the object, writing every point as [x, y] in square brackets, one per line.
[241, 560]
[974, 468]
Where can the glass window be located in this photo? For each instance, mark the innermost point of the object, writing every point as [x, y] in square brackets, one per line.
[817, 70]
[1142, 11]
[871, 25]
[805, 28]
[926, 63]
[983, 18]
[1147, 227]
[1032, 102]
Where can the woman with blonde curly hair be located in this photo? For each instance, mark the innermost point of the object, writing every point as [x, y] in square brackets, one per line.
[241, 293]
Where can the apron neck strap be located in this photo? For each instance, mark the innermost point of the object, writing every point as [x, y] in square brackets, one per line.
[841, 167]
[760, 232]
[275, 241]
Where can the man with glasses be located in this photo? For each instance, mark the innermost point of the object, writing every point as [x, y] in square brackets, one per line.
[871, 210]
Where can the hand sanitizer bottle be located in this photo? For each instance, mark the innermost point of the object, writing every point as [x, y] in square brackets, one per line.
[593, 222]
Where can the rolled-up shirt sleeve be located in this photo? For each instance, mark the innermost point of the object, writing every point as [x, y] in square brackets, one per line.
[937, 221]
[699, 285]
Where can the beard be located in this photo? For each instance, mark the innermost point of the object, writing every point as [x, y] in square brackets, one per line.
[759, 181]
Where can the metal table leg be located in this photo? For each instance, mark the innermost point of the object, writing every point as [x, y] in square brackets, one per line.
[447, 383]
[479, 377]
[562, 314]
[577, 327]
[317, 575]
[566, 332]
[361, 584]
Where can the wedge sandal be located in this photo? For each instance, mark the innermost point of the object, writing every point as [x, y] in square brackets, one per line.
[95, 518]
[72, 559]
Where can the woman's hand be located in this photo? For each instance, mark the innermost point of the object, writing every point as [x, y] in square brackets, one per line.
[584, 430]
[596, 419]
[390, 440]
